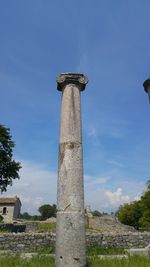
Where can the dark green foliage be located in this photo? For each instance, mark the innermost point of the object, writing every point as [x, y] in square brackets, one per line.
[27, 216]
[137, 214]
[130, 214]
[145, 207]
[47, 211]
[9, 168]
[36, 218]
[96, 213]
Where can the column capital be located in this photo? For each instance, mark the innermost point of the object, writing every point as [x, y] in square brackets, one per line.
[71, 78]
[146, 85]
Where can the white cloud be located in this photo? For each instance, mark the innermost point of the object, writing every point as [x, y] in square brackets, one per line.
[117, 198]
[105, 200]
[31, 203]
[36, 186]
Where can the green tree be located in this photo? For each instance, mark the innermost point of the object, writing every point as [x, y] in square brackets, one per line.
[47, 211]
[130, 214]
[145, 207]
[137, 214]
[36, 218]
[9, 168]
[96, 213]
[25, 216]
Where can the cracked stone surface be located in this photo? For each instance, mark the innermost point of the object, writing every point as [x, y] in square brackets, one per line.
[70, 229]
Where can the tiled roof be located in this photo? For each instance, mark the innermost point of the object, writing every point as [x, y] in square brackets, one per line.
[8, 200]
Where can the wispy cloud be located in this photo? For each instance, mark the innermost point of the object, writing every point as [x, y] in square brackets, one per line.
[92, 132]
[107, 125]
[36, 186]
[115, 163]
[92, 180]
[83, 64]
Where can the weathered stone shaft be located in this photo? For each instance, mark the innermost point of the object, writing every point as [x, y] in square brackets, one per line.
[70, 230]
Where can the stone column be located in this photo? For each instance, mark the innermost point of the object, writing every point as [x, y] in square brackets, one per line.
[70, 229]
[146, 85]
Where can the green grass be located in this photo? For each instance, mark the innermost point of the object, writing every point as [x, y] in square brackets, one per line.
[46, 250]
[34, 262]
[92, 262]
[131, 262]
[104, 251]
[3, 230]
[92, 251]
[46, 227]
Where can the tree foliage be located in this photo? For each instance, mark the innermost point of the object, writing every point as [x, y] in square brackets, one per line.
[130, 214]
[47, 211]
[145, 207]
[137, 213]
[27, 216]
[9, 168]
[96, 213]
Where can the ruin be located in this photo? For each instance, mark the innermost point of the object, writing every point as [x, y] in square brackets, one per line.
[10, 208]
[70, 228]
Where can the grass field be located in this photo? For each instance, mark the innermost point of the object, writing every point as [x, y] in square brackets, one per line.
[131, 262]
[46, 227]
[93, 262]
[93, 251]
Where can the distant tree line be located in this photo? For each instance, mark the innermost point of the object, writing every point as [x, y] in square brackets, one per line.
[137, 213]
[46, 211]
[99, 214]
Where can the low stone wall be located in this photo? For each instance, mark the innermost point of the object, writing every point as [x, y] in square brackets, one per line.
[129, 240]
[28, 242]
[10, 227]
[31, 227]
[19, 227]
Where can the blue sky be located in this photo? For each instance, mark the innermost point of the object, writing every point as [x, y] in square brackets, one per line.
[109, 42]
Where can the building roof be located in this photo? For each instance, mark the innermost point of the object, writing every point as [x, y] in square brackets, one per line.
[9, 200]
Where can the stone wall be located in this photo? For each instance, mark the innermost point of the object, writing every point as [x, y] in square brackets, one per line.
[137, 240]
[19, 227]
[28, 242]
[10, 227]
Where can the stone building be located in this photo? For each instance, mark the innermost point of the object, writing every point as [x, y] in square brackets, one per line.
[10, 208]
